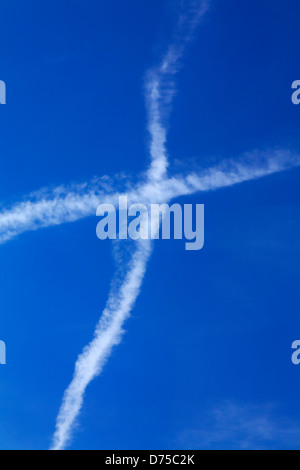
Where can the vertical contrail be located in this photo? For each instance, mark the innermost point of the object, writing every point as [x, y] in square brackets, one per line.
[159, 94]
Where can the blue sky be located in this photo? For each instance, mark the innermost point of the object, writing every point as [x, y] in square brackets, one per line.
[206, 358]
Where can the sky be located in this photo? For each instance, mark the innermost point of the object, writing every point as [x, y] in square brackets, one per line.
[205, 361]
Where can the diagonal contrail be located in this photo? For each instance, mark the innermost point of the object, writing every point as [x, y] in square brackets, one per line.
[108, 333]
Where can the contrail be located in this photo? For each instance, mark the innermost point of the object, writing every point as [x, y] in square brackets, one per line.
[63, 204]
[124, 293]
[67, 204]
[90, 363]
[160, 85]
[108, 333]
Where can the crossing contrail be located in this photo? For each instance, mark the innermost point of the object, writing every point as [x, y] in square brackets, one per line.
[70, 203]
[159, 91]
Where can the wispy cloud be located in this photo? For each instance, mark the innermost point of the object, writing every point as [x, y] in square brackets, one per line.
[242, 427]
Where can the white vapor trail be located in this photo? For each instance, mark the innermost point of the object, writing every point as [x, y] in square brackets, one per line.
[108, 333]
[48, 208]
[160, 86]
[122, 298]
[68, 204]
[159, 95]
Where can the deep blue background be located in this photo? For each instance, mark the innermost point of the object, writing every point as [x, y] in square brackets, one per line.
[209, 328]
